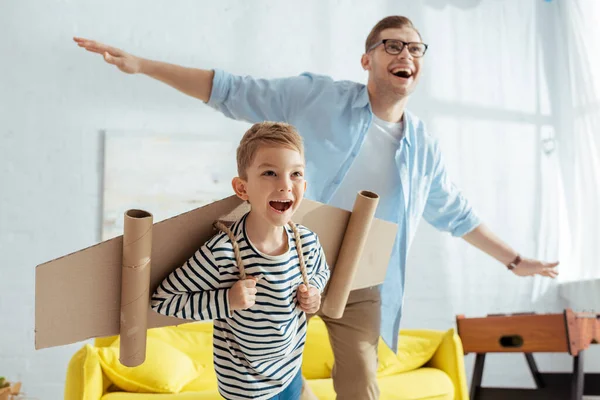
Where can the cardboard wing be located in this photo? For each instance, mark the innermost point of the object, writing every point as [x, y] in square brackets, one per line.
[78, 296]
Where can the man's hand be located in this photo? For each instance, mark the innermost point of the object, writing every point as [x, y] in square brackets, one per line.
[309, 299]
[126, 62]
[528, 267]
[486, 241]
[242, 294]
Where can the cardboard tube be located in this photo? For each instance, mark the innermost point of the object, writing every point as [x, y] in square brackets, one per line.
[135, 286]
[350, 253]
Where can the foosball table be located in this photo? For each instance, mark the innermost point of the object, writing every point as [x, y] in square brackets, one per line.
[568, 332]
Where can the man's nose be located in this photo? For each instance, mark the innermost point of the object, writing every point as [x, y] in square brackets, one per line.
[405, 54]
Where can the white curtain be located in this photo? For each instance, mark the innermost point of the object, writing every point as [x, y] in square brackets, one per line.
[509, 93]
[579, 140]
[488, 97]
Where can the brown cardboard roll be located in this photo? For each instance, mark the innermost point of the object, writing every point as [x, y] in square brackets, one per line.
[355, 237]
[135, 286]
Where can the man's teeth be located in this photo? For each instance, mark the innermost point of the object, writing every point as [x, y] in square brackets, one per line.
[402, 72]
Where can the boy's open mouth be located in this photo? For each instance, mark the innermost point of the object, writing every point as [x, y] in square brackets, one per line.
[280, 206]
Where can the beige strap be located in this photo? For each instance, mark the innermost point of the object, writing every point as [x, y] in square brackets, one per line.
[238, 258]
[236, 248]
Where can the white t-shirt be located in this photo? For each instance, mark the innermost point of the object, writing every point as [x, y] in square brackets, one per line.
[374, 169]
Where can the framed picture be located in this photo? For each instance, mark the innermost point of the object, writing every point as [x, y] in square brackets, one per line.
[164, 174]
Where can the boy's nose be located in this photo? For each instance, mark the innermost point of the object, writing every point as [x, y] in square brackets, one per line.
[286, 185]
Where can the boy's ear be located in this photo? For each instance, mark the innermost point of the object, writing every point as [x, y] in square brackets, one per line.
[239, 187]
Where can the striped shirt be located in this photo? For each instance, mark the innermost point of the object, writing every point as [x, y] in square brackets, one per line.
[257, 351]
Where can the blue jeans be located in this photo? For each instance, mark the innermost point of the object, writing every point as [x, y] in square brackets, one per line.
[293, 390]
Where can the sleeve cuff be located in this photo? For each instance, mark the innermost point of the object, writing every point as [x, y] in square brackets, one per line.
[471, 222]
[318, 282]
[218, 91]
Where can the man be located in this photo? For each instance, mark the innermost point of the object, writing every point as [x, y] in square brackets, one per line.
[356, 137]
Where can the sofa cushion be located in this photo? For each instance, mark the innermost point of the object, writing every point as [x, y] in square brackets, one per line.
[208, 395]
[415, 348]
[420, 384]
[318, 359]
[194, 339]
[388, 362]
[165, 370]
[413, 353]
[318, 356]
[84, 375]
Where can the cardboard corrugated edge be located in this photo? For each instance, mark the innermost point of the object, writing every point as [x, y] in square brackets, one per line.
[77, 296]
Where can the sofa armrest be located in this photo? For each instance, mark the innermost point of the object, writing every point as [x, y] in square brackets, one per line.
[85, 379]
[449, 357]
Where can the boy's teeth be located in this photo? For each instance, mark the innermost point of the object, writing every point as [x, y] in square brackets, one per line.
[281, 205]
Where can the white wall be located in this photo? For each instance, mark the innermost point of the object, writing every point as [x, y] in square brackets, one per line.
[56, 99]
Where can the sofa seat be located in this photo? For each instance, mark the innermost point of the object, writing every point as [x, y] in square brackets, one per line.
[428, 366]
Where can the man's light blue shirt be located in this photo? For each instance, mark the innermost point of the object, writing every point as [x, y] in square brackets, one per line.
[333, 117]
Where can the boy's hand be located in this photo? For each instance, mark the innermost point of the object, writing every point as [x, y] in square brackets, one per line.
[126, 62]
[242, 294]
[309, 299]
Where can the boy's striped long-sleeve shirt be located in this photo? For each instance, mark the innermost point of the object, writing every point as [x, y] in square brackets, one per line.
[257, 351]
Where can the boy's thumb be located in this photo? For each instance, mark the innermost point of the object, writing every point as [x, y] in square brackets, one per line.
[255, 278]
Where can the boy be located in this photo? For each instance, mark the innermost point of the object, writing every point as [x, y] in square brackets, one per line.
[258, 279]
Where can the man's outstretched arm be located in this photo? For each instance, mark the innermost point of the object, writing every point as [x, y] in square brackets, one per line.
[485, 240]
[240, 98]
[448, 210]
[191, 81]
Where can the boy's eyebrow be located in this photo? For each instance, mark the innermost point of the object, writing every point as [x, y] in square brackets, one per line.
[269, 165]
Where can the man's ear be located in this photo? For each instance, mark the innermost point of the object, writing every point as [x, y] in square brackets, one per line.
[365, 61]
[305, 185]
[239, 187]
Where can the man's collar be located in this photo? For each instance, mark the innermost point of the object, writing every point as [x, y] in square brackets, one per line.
[362, 100]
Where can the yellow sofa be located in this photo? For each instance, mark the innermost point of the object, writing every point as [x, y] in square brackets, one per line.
[428, 366]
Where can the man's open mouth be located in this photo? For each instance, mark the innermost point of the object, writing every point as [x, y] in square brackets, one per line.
[280, 206]
[402, 72]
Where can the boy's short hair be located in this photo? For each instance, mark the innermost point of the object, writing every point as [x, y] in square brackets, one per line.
[266, 134]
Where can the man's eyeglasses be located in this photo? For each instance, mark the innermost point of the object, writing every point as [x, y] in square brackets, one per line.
[395, 47]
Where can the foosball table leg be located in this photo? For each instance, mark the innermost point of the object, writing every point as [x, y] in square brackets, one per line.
[535, 372]
[477, 375]
[577, 378]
